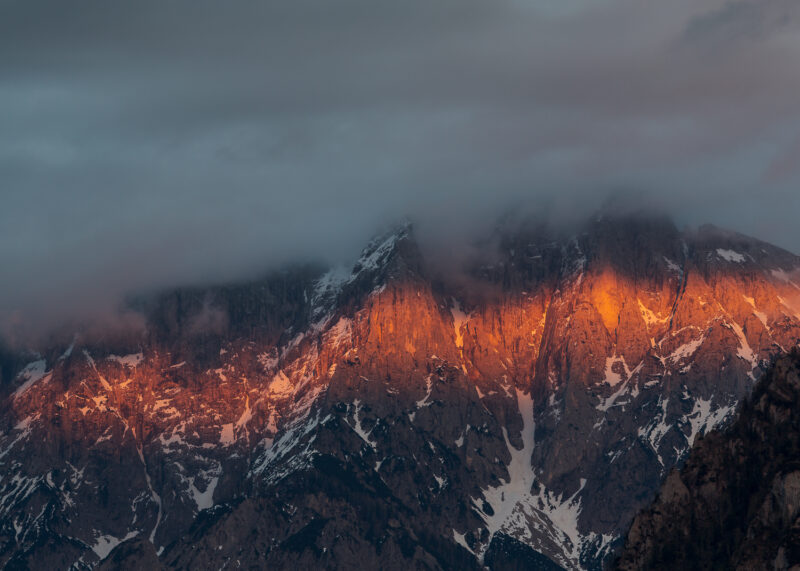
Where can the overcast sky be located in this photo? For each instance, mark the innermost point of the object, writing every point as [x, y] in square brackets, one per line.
[150, 143]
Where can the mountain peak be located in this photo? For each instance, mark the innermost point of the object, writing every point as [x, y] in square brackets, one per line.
[382, 249]
[460, 429]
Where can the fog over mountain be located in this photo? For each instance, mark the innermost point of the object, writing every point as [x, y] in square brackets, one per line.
[154, 144]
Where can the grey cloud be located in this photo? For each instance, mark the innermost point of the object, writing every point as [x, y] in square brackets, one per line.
[149, 144]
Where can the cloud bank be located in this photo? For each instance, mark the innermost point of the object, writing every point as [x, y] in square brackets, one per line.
[149, 144]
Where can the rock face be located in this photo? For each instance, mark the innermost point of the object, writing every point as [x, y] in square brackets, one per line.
[385, 417]
[736, 502]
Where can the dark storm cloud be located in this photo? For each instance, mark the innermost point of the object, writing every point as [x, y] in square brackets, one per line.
[146, 144]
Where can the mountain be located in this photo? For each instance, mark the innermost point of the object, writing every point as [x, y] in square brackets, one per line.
[735, 504]
[515, 414]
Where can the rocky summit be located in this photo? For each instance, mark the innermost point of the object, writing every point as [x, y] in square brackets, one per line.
[389, 416]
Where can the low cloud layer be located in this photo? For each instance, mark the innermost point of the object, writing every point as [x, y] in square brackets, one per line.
[154, 143]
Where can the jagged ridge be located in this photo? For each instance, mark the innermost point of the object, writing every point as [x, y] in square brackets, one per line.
[388, 416]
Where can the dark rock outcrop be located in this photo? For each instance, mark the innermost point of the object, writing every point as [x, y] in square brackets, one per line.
[736, 502]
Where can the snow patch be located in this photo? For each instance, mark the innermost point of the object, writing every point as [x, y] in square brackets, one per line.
[104, 544]
[66, 354]
[372, 260]
[459, 538]
[650, 318]
[657, 428]
[460, 439]
[268, 361]
[459, 319]
[281, 386]
[613, 378]
[673, 266]
[132, 360]
[730, 256]
[611, 401]
[204, 499]
[744, 351]
[32, 373]
[428, 387]
[340, 333]
[326, 289]
[517, 511]
[226, 437]
[759, 314]
[156, 498]
[702, 419]
[685, 351]
[247, 414]
[357, 428]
